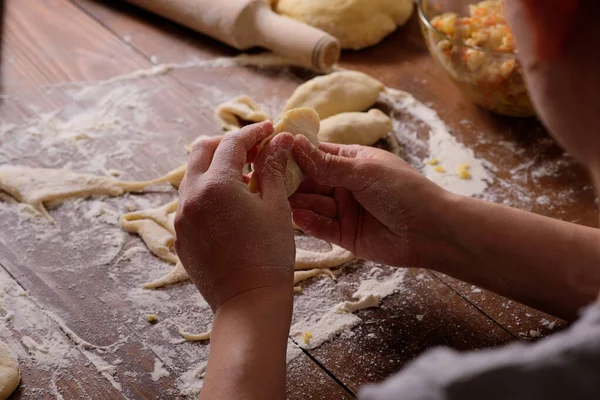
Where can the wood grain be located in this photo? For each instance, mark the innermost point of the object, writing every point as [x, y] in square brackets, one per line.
[47, 47]
[55, 42]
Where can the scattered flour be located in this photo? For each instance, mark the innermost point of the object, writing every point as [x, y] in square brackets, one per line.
[159, 370]
[100, 128]
[443, 146]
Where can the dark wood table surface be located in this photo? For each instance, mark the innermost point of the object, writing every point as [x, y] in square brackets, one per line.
[48, 43]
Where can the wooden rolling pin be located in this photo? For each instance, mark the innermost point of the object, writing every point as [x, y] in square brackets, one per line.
[249, 23]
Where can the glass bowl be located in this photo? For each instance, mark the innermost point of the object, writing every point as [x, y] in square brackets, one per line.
[491, 79]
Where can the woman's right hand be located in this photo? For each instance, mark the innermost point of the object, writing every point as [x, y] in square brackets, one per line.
[370, 202]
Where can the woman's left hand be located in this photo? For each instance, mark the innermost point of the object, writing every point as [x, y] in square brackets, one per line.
[231, 241]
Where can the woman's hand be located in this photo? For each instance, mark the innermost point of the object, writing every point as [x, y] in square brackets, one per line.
[370, 202]
[231, 241]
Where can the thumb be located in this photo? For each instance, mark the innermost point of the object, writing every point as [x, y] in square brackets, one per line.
[326, 168]
[270, 166]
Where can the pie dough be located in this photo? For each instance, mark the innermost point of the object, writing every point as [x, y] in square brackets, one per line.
[300, 276]
[356, 128]
[9, 372]
[194, 337]
[156, 228]
[36, 186]
[299, 121]
[239, 112]
[337, 256]
[339, 92]
[176, 275]
[355, 23]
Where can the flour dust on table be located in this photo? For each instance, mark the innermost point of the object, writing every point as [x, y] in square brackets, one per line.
[106, 128]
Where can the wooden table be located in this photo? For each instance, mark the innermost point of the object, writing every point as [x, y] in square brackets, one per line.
[48, 43]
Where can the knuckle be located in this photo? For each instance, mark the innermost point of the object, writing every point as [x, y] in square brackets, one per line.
[275, 168]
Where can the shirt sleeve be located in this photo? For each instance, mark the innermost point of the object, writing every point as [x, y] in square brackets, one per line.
[565, 365]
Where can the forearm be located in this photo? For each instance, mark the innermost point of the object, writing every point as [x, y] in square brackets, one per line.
[548, 264]
[248, 347]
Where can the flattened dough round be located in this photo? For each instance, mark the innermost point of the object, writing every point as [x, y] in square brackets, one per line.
[9, 372]
[356, 128]
[339, 92]
[355, 23]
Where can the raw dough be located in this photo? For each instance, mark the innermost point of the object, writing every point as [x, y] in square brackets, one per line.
[337, 256]
[194, 337]
[9, 372]
[356, 128]
[177, 274]
[355, 23]
[299, 121]
[36, 186]
[300, 276]
[239, 112]
[339, 92]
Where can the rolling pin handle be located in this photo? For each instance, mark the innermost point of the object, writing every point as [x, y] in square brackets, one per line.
[308, 45]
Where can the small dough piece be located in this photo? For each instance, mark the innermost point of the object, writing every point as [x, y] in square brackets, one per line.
[299, 121]
[9, 372]
[176, 275]
[155, 227]
[355, 23]
[337, 256]
[238, 112]
[356, 128]
[36, 186]
[194, 337]
[336, 93]
[300, 276]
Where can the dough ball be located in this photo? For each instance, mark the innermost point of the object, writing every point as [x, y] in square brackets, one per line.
[339, 92]
[356, 128]
[299, 121]
[355, 23]
[9, 372]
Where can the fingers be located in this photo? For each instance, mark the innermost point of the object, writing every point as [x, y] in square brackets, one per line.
[310, 186]
[202, 154]
[270, 167]
[321, 205]
[318, 226]
[326, 168]
[343, 150]
[231, 154]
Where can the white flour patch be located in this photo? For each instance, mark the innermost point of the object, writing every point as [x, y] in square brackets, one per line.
[159, 370]
[442, 146]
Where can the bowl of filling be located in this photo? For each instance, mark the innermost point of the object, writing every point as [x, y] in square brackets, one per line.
[473, 43]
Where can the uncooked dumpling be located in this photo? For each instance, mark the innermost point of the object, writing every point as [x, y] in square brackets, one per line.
[299, 121]
[9, 372]
[355, 23]
[238, 112]
[339, 92]
[355, 128]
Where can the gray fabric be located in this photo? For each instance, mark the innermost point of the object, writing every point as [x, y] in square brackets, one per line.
[565, 365]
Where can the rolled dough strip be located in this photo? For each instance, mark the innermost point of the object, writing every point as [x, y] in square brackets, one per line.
[158, 240]
[36, 186]
[300, 276]
[9, 372]
[312, 259]
[164, 215]
[177, 274]
[194, 337]
[239, 112]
